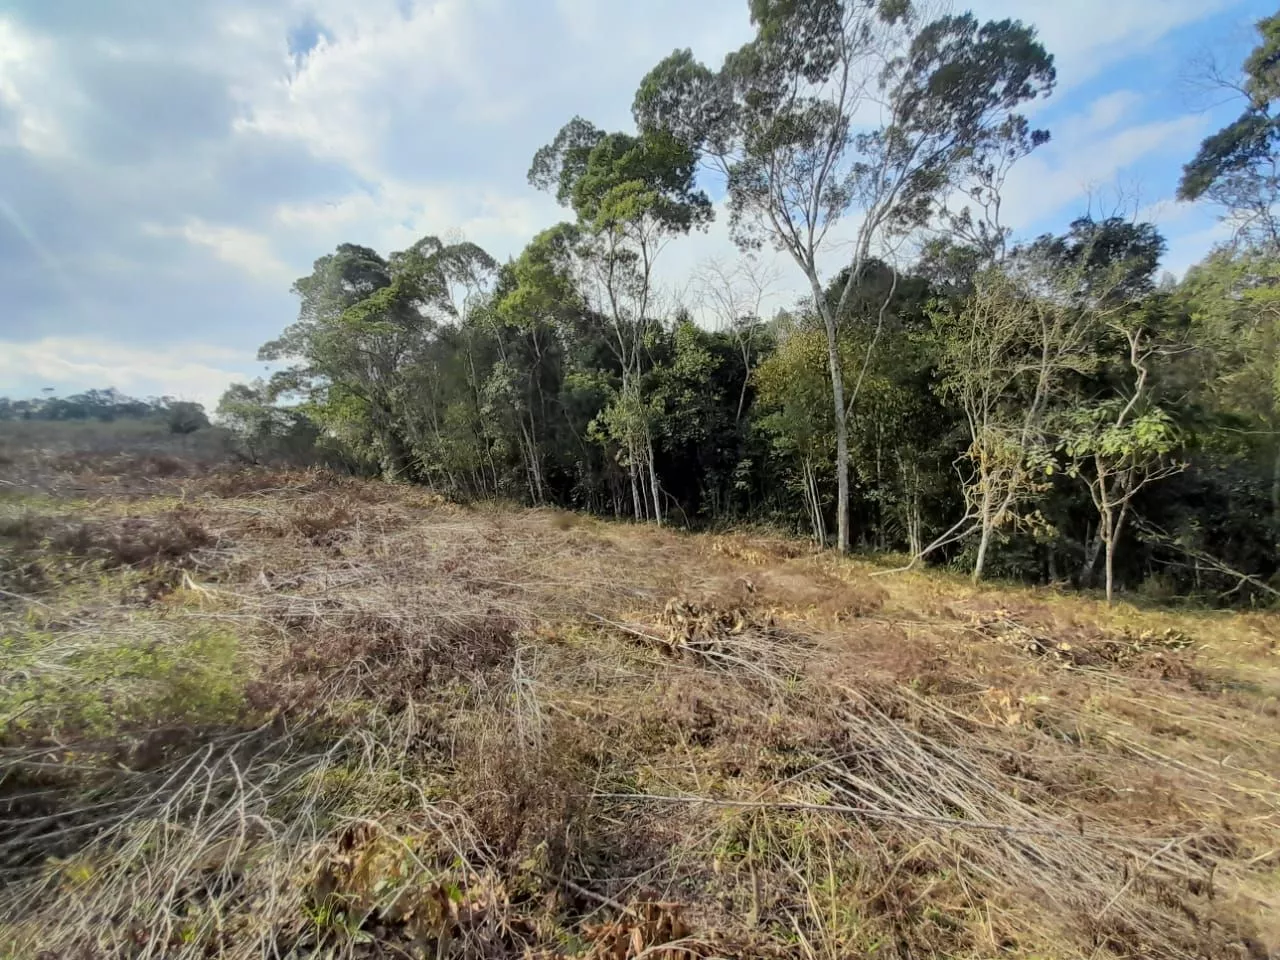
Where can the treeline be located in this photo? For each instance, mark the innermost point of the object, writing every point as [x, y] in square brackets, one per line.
[1044, 410]
[107, 406]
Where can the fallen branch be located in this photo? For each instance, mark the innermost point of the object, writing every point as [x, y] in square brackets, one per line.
[1166, 539]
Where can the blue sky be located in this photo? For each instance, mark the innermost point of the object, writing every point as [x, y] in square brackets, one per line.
[167, 169]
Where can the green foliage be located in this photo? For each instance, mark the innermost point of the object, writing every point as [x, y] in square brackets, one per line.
[144, 673]
[1030, 400]
[186, 417]
[1097, 430]
[1235, 167]
[614, 180]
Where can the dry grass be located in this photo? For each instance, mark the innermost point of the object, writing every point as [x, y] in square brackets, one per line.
[364, 722]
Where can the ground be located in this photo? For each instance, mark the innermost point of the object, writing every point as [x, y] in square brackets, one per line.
[251, 713]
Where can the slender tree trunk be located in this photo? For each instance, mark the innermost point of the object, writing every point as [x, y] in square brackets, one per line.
[813, 501]
[653, 481]
[983, 543]
[1114, 529]
[838, 408]
[533, 476]
[987, 524]
[1109, 560]
[842, 456]
[637, 503]
[396, 463]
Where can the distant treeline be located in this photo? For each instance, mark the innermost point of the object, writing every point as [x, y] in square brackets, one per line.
[106, 406]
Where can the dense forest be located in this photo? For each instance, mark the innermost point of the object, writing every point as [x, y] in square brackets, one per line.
[1041, 408]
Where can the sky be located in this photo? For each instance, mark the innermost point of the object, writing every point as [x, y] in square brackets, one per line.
[167, 169]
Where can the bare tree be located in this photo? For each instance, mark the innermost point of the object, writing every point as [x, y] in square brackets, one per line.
[1005, 353]
[735, 296]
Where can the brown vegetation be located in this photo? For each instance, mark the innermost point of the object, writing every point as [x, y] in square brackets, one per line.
[364, 722]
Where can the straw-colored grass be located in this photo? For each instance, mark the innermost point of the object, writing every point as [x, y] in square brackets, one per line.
[270, 715]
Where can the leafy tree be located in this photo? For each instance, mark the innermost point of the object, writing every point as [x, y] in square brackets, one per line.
[1233, 298]
[185, 417]
[794, 400]
[1005, 354]
[631, 194]
[781, 120]
[363, 323]
[1121, 442]
[267, 430]
[1236, 168]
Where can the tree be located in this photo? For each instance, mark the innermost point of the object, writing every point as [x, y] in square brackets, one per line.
[1004, 353]
[735, 296]
[631, 195]
[794, 395]
[184, 417]
[1233, 298]
[1236, 168]
[1022, 353]
[1120, 443]
[363, 323]
[267, 430]
[780, 122]
[1107, 262]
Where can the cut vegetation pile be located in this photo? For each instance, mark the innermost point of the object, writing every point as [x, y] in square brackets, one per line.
[283, 715]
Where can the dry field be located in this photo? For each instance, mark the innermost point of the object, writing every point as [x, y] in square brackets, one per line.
[255, 714]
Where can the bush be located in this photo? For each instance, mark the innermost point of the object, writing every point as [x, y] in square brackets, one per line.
[184, 417]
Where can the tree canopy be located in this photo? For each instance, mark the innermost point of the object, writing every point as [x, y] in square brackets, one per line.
[1035, 407]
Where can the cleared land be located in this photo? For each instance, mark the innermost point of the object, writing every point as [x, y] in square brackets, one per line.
[255, 714]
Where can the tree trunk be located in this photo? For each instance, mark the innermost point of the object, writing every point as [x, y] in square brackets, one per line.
[814, 503]
[915, 526]
[1110, 564]
[983, 544]
[1114, 529]
[653, 482]
[636, 502]
[746, 380]
[842, 450]
[838, 408]
[396, 462]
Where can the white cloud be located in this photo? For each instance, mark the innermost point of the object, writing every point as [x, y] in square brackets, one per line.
[407, 117]
[1104, 114]
[31, 91]
[249, 251]
[399, 213]
[1069, 170]
[372, 63]
[199, 372]
[1088, 36]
